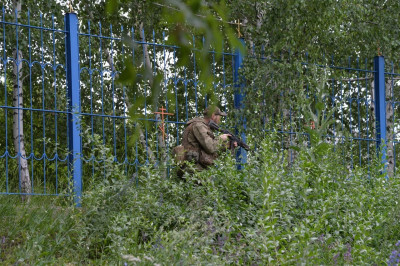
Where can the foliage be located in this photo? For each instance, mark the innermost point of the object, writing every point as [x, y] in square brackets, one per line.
[278, 34]
[394, 258]
[183, 27]
[314, 212]
[43, 230]
[342, 28]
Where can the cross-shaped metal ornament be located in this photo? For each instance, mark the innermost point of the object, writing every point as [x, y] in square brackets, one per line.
[71, 10]
[162, 127]
[238, 29]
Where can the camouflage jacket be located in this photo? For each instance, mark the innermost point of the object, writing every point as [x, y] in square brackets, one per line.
[200, 144]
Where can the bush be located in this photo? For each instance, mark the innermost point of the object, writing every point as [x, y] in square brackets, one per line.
[313, 212]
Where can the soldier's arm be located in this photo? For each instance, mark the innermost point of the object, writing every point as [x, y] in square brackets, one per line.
[209, 144]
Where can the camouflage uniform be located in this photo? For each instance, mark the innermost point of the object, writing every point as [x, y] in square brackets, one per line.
[200, 145]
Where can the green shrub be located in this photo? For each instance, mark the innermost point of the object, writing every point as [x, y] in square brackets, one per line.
[314, 212]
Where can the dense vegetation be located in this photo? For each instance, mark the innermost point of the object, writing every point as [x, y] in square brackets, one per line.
[311, 212]
[298, 201]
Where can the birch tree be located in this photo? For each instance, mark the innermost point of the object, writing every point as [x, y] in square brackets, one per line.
[18, 115]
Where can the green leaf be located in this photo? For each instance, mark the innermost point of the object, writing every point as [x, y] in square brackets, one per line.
[111, 7]
[128, 75]
[320, 106]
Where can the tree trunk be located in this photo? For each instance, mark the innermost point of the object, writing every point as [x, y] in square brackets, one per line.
[142, 138]
[149, 69]
[389, 130]
[161, 146]
[147, 62]
[18, 126]
[372, 108]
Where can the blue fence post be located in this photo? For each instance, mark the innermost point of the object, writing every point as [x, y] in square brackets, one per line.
[380, 106]
[241, 154]
[74, 104]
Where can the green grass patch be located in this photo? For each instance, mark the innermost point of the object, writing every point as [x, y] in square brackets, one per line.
[315, 211]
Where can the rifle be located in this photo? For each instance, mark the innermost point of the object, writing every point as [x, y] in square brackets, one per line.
[233, 138]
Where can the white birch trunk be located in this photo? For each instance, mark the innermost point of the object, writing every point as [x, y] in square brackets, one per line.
[372, 108]
[147, 62]
[18, 126]
[389, 130]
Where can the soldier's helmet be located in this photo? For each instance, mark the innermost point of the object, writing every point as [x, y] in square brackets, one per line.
[212, 109]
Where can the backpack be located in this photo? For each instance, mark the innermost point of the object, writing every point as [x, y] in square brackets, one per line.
[179, 154]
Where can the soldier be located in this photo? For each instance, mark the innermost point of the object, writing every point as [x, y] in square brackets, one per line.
[200, 146]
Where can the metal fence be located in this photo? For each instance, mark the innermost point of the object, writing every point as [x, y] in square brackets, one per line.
[66, 118]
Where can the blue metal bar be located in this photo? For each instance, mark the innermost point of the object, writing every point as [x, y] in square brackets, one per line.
[43, 103]
[367, 113]
[124, 103]
[18, 62]
[392, 73]
[341, 116]
[333, 105]
[380, 107]
[91, 92]
[33, 194]
[74, 104]
[394, 120]
[205, 96]
[102, 92]
[393, 135]
[213, 70]
[31, 103]
[152, 44]
[113, 95]
[30, 26]
[186, 97]
[350, 126]
[155, 108]
[55, 100]
[224, 77]
[145, 95]
[358, 112]
[36, 109]
[34, 62]
[124, 113]
[5, 100]
[32, 156]
[241, 154]
[195, 73]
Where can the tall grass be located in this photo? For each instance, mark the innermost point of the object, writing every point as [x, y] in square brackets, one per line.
[313, 212]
